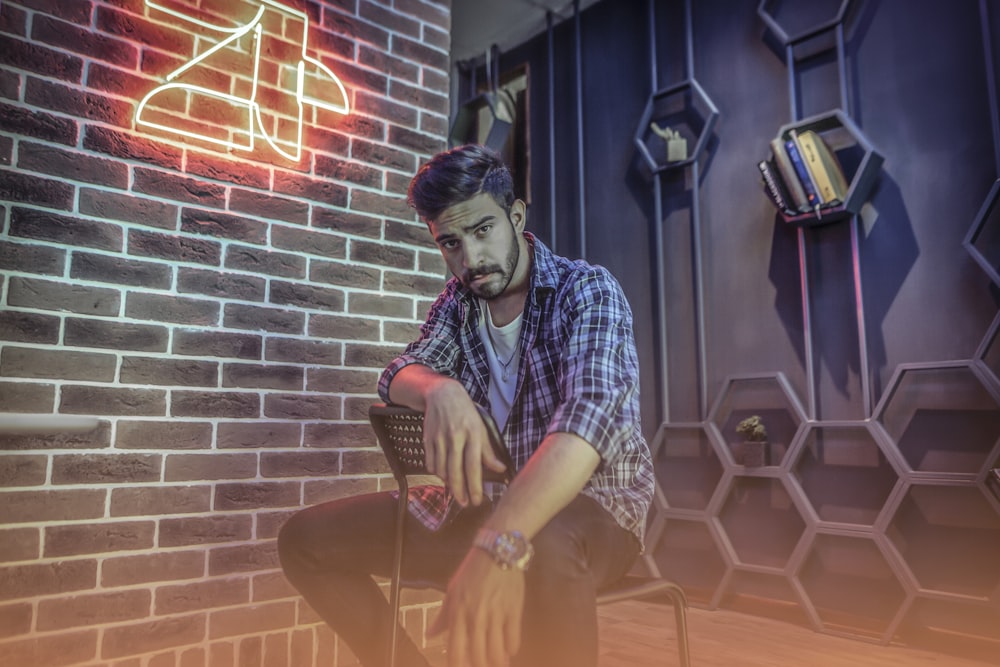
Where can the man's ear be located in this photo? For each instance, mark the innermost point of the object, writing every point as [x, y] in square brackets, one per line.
[519, 214]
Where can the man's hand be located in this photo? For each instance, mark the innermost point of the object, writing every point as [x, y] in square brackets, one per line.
[456, 444]
[481, 613]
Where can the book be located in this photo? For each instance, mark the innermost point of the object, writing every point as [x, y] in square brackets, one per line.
[812, 195]
[824, 168]
[788, 176]
[774, 187]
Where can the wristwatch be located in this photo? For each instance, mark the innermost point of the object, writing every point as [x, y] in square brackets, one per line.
[509, 549]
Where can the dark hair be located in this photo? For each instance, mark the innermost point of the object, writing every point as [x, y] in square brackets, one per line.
[458, 175]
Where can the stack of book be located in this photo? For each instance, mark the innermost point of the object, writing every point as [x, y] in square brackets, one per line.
[803, 175]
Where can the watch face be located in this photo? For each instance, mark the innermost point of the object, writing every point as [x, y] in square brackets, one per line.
[509, 549]
[513, 550]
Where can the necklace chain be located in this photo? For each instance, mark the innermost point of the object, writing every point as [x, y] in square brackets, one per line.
[504, 365]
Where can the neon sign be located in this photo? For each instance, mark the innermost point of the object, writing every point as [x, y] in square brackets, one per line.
[168, 107]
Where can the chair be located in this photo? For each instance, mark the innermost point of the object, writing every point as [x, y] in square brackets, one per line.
[400, 435]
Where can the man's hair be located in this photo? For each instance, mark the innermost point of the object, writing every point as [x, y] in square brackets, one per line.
[458, 175]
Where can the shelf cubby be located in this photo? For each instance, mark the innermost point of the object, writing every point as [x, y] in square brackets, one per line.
[684, 107]
[845, 574]
[768, 396]
[943, 418]
[858, 158]
[685, 551]
[844, 473]
[949, 537]
[761, 521]
[686, 465]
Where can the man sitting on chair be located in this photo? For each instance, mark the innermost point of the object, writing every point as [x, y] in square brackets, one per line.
[546, 344]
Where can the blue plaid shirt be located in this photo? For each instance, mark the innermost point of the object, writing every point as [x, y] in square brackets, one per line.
[579, 374]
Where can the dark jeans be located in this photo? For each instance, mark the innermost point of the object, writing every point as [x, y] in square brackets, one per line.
[330, 551]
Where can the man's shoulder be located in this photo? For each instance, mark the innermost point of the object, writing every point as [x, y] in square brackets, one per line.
[562, 272]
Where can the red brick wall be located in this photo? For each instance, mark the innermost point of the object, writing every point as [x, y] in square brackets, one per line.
[224, 313]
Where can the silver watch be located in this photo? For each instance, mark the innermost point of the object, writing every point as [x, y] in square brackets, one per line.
[509, 549]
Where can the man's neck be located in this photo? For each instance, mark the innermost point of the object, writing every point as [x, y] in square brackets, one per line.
[505, 309]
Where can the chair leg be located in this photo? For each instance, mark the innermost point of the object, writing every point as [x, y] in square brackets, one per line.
[394, 582]
[679, 600]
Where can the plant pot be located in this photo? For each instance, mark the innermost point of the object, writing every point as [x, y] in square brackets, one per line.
[754, 454]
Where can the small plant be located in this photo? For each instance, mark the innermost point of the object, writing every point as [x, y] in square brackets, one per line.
[752, 429]
[754, 450]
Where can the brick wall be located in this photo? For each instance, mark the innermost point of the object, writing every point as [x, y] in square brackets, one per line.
[224, 313]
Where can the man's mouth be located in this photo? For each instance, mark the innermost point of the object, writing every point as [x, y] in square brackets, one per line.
[478, 277]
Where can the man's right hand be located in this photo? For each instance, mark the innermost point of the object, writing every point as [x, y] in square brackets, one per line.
[456, 444]
[455, 439]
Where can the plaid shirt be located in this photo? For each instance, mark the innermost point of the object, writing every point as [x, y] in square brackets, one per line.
[579, 374]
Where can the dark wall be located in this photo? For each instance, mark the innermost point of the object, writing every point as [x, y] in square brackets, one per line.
[916, 85]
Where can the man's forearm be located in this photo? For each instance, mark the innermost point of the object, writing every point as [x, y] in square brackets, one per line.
[551, 479]
[411, 385]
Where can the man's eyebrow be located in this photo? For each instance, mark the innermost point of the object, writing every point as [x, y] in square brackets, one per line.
[468, 228]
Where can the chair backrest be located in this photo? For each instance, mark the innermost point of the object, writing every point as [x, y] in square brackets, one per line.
[400, 433]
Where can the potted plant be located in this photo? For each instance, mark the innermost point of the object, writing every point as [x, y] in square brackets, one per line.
[754, 441]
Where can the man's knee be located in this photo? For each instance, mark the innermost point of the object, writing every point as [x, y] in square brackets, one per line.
[291, 540]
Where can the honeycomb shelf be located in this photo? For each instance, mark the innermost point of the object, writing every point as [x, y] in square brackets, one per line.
[860, 161]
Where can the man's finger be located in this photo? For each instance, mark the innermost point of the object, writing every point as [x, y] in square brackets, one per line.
[456, 474]
[512, 633]
[474, 472]
[496, 646]
[457, 645]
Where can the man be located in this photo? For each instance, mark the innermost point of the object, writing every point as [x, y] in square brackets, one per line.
[546, 345]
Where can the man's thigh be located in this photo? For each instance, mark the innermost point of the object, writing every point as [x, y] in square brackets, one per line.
[583, 539]
[357, 534]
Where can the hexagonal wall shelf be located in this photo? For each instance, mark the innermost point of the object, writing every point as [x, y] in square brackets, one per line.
[860, 161]
[852, 586]
[687, 466]
[684, 108]
[686, 552]
[844, 472]
[803, 20]
[944, 418]
[768, 396]
[761, 522]
[949, 536]
[983, 239]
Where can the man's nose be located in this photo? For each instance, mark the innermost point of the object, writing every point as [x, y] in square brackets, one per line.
[474, 256]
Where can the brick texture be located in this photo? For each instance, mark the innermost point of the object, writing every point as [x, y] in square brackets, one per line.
[223, 312]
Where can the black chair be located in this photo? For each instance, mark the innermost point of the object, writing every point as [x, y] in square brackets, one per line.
[400, 434]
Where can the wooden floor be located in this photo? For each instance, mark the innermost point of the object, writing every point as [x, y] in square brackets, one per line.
[637, 634]
[641, 634]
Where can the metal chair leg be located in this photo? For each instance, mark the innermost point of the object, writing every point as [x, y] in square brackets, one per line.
[397, 565]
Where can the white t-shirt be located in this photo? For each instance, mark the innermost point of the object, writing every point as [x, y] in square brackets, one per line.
[504, 356]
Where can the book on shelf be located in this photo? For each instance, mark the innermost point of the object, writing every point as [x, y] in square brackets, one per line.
[824, 168]
[805, 178]
[774, 187]
[788, 176]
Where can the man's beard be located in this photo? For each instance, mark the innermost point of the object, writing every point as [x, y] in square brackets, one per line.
[494, 289]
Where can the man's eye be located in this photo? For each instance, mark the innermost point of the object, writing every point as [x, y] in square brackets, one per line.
[449, 245]
[484, 230]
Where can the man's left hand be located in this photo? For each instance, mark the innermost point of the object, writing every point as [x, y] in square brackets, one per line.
[482, 613]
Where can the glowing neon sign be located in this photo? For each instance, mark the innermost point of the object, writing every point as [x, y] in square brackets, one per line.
[176, 97]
